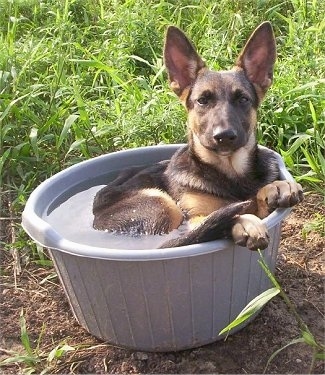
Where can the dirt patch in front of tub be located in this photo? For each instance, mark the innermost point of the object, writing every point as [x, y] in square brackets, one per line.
[49, 321]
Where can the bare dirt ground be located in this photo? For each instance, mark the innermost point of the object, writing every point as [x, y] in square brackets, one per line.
[299, 270]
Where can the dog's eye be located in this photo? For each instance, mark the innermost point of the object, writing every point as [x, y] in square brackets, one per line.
[203, 100]
[242, 99]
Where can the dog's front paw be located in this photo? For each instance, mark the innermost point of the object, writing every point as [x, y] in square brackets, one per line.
[249, 231]
[278, 194]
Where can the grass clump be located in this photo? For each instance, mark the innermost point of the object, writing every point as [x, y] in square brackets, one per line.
[82, 78]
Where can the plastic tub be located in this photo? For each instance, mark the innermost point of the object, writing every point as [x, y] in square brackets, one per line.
[156, 299]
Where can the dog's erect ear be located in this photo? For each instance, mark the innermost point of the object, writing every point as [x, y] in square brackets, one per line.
[181, 59]
[258, 57]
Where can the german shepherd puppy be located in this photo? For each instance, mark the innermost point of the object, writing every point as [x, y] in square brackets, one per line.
[221, 181]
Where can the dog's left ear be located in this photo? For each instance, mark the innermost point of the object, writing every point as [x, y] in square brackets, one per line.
[258, 57]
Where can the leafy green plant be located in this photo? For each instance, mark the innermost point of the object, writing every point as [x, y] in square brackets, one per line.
[306, 337]
[251, 308]
[34, 360]
[317, 224]
[309, 166]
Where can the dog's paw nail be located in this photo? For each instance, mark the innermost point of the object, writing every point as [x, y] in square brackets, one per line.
[294, 199]
[242, 241]
[252, 246]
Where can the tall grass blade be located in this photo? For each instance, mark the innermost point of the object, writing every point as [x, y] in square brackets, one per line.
[11, 105]
[66, 127]
[306, 86]
[76, 145]
[253, 307]
[320, 356]
[301, 139]
[59, 351]
[29, 360]
[273, 355]
[3, 159]
[311, 160]
[24, 335]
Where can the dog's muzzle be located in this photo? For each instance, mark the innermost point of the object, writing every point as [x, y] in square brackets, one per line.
[228, 136]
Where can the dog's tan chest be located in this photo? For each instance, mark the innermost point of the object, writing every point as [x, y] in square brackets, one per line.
[200, 204]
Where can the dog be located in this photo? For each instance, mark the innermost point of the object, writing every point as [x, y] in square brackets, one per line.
[221, 182]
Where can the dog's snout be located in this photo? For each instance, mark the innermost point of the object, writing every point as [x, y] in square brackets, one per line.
[228, 136]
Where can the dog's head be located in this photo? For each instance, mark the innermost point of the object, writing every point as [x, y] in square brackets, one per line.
[221, 105]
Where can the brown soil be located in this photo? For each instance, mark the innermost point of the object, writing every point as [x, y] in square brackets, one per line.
[299, 269]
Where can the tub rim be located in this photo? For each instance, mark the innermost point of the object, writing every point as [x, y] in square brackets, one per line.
[44, 234]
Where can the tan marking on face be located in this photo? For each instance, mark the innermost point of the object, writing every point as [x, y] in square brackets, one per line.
[240, 160]
[184, 95]
[192, 121]
[235, 164]
[259, 92]
[207, 156]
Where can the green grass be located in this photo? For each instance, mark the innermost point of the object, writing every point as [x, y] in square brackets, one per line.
[82, 78]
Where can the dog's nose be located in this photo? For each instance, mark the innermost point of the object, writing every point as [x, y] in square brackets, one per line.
[228, 135]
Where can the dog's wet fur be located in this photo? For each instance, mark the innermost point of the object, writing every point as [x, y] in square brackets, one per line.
[221, 181]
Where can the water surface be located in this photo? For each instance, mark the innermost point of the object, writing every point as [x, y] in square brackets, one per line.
[71, 216]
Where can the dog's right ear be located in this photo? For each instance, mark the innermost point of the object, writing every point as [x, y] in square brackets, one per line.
[181, 59]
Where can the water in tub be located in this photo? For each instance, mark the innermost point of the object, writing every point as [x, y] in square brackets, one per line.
[71, 216]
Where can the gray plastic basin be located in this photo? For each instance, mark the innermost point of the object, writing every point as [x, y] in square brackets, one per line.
[156, 299]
